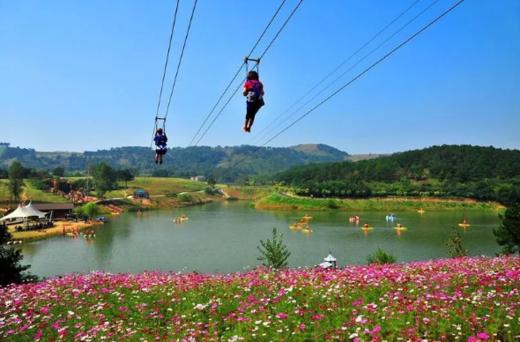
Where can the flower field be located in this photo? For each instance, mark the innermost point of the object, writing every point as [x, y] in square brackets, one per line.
[466, 299]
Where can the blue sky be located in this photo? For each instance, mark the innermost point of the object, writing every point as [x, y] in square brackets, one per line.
[85, 75]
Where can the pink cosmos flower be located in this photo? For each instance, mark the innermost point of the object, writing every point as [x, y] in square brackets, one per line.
[483, 336]
[56, 325]
[281, 315]
[317, 317]
[376, 329]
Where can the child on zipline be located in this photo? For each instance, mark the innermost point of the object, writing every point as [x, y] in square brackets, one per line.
[160, 140]
[254, 93]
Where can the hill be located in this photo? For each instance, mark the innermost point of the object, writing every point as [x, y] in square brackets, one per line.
[484, 173]
[224, 163]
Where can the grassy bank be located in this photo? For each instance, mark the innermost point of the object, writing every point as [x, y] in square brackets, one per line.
[465, 299]
[246, 193]
[278, 201]
[178, 192]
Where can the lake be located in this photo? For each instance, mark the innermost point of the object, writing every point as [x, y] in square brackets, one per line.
[222, 237]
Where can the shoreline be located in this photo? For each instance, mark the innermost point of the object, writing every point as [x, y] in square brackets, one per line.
[60, 228]
[284, 202]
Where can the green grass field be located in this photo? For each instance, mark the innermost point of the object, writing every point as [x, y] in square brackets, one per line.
[30, 193]
[283, 202]
[158, 186]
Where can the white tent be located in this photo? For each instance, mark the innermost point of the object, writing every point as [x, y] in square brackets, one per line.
[24, 212]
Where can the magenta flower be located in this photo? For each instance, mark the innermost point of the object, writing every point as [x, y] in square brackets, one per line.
[483, 336]
[376, 329]
[281, 315]
[317, 317]
[353, 303]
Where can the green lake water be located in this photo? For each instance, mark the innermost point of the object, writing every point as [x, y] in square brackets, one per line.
[222, 237]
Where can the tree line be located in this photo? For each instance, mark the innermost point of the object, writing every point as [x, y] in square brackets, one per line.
[483, 173]
[103, 179]
[227, 164]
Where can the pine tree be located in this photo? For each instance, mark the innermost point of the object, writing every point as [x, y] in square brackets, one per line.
[455, 246]
[274, 253]
[11, 271]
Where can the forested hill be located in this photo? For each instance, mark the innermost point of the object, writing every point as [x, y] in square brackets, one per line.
[448, 170]
[225, 163]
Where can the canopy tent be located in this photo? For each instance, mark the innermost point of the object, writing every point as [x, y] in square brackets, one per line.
[24, 212]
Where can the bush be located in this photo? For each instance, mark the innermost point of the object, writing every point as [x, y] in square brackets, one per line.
[381, 257]
[212, 191]
[508, 233]
[455, 247]
[90, 210]
[40, 184]
[332, 204]
[186, 198]
[274, 253]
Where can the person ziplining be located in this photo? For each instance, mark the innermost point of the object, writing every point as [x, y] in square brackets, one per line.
[160, 141]
[159, 133]
[254, 93]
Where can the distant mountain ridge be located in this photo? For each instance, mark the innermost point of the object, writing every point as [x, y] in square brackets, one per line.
[226, 163]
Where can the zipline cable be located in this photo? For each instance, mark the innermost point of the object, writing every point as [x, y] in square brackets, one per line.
[174, 21]
[180, 58]
[167, 56]
[362, 73]
[237, 72]
[363, 58]
[262, 132]
[281, 29]
[261, 56]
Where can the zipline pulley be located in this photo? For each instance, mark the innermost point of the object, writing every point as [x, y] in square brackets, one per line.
[157, 125]
[256, 63]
